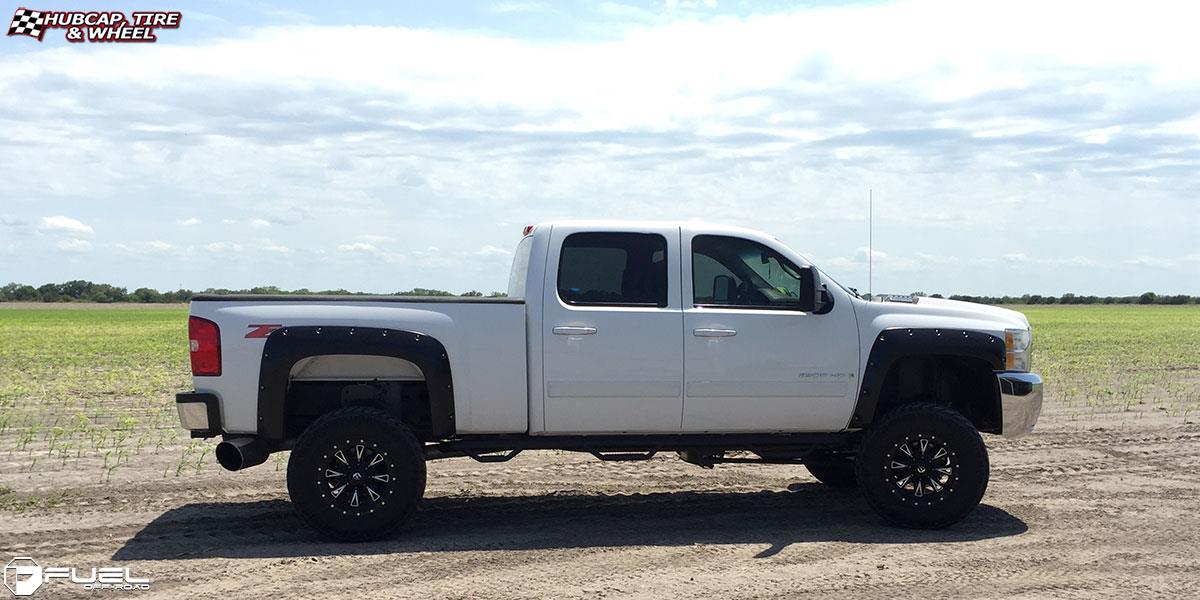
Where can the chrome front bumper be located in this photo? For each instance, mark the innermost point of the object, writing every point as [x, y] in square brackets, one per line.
[1020, 401]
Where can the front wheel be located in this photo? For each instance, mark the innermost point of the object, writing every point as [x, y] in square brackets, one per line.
[923, 465]
[356, 474]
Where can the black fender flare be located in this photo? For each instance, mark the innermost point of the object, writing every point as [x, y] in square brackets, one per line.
[288, 345]
[895, 343]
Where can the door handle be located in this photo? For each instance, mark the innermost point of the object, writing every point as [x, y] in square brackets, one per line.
[571, 330]
[714, 332]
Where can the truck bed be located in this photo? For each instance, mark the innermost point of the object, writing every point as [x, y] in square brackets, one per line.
[484, 339]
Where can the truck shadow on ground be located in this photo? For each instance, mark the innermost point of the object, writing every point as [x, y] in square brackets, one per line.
[807, 513]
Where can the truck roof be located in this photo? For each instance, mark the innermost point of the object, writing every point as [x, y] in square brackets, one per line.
[634, 225]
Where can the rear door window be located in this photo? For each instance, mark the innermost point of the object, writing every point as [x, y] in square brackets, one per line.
[613, 269]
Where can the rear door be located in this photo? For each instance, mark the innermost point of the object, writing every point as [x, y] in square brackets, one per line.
[612, 351]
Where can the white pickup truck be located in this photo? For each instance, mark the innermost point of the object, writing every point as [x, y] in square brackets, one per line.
[621, 339]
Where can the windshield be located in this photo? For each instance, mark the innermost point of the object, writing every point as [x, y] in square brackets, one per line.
[825, 278]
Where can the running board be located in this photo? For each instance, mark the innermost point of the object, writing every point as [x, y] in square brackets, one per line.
[495, 458]
[783, 448]
[624, 456]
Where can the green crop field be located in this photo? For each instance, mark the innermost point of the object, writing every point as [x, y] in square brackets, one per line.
[91, 388]
[1118, 357]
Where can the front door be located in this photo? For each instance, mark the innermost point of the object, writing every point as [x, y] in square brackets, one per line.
[753, 360]
[612, 351]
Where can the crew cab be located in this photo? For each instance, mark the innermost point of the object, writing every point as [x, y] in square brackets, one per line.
[620, 339]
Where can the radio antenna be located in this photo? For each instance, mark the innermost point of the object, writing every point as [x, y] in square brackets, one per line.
[870, 241]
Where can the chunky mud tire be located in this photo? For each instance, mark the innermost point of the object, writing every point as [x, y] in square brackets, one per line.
[356, 474]
[833, 470]
[923, 466]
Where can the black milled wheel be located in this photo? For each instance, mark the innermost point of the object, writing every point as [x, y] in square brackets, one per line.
[833, 470]
[923, 465]
[356, 474]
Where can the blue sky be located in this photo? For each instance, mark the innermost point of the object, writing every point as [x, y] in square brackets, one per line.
[1022, 147]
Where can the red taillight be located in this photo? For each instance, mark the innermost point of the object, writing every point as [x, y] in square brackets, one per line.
[205, 338]
[528, 230]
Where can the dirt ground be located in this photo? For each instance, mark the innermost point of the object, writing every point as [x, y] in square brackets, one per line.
[1089, 506]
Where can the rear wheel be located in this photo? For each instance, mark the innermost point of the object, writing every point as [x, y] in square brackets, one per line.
[923, 465]
[833, 470]
[356, 474]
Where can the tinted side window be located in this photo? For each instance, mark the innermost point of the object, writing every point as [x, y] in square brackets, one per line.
[730, 271]
[613, 269]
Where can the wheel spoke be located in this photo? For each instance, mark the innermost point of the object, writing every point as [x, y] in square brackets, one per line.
[356, 475]
[921, 469]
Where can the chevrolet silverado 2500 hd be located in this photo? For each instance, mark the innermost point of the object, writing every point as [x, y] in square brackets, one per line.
[622, 340]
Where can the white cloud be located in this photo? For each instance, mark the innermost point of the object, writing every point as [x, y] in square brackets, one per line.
[1162, 262]
[685, 71]
[490, 250]
[143, 248]
[74, 245]
[358, 247]
[63, 224]
[882, 260]
[260, 223]
[189, 221]
[223, 247]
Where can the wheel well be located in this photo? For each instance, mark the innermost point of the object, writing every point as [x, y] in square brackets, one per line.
[309, 370]
[968, 385]
[408, 400]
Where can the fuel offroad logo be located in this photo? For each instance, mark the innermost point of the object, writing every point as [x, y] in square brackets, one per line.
[80, 27]
[23, 576]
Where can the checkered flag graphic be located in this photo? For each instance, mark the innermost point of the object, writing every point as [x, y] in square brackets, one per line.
[28, 22]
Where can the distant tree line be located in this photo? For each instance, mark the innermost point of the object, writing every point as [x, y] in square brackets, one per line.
[1146, 298]
[86, 291]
